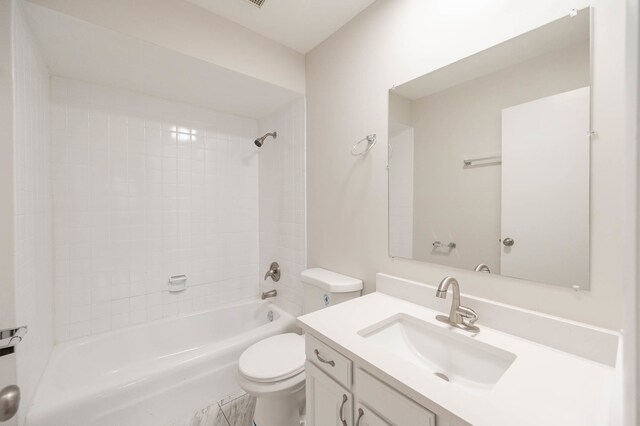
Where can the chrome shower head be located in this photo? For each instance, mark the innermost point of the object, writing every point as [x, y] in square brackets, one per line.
[260, 140]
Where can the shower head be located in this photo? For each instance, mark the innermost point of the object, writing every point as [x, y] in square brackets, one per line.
[260, 140]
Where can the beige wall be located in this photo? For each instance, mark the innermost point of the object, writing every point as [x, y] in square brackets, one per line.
[631, 354]
[183, 27]
[393, 41]
[466, 120]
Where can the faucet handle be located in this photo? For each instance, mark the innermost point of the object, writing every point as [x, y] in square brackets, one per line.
[469, 316]
[273, 272]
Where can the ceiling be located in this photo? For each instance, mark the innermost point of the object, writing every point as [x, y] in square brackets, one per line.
[298, 24]
[83, 51]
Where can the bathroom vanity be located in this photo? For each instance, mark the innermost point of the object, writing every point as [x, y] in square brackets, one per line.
[383, 359]
[333, 379]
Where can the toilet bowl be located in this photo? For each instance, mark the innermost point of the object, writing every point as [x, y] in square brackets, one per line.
[272, 370]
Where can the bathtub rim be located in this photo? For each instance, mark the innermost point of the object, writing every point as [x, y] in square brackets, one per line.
[99, 336]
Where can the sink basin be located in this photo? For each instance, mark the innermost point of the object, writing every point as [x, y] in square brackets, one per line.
[450, 356]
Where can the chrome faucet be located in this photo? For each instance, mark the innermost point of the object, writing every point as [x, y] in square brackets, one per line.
[482, 268]
[459, 316]
[269, 294]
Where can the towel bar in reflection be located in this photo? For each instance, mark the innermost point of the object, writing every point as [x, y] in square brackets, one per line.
[438, 244]
[493, 158]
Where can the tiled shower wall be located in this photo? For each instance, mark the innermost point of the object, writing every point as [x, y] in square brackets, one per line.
[32, 170]
[144, 189]
[282, 203]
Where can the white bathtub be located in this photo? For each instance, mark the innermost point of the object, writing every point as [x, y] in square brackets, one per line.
[154, 373]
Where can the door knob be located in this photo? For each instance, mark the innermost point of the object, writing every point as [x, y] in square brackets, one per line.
[508, 242]
[9, 402]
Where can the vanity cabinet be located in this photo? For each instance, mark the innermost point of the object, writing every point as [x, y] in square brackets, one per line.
[328, 403]
[340, 394]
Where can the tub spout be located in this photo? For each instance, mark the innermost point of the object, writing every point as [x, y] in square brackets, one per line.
[269, 294]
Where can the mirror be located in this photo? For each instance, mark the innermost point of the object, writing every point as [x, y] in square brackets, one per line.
[489, 159]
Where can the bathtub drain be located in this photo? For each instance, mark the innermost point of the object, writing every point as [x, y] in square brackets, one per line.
[270, 316]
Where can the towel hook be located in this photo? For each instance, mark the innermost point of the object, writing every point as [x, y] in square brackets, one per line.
[371, 141]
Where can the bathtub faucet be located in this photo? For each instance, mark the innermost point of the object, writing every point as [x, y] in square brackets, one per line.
[269, 294]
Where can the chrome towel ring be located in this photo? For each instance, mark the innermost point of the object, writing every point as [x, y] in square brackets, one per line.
[370, 140]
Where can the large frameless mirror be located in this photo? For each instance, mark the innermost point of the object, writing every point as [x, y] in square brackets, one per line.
[489, 159]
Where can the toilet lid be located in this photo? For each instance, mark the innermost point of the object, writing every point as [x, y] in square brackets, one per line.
[274, 358]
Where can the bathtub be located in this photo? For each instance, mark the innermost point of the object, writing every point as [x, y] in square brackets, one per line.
[153, 373]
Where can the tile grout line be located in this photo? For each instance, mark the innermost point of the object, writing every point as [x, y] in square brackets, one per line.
[223, 414]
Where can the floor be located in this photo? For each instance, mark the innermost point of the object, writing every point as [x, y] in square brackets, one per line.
[233, 410]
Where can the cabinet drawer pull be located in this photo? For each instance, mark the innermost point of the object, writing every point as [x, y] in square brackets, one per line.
[344, 401]
[360, 414]
[322, 360]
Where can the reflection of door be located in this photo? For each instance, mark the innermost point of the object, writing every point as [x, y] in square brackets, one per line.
[545, 189]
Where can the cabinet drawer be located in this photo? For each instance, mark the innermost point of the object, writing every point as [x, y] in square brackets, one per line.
[389, 404]
[329, 360]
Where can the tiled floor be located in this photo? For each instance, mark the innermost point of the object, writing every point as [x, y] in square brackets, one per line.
[234, 410]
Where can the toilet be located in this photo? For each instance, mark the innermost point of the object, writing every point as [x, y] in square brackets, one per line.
[272, 369]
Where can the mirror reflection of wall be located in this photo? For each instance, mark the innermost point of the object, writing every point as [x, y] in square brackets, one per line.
[538, 195]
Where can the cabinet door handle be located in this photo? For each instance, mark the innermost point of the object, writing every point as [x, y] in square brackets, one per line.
[322, 360]
[360, 414]
[344, 401]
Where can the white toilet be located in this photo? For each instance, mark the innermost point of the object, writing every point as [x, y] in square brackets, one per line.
[273, 369]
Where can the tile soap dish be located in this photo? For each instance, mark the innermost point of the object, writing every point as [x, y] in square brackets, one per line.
[177, 283]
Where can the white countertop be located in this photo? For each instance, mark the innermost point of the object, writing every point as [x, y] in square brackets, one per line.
[543, 386]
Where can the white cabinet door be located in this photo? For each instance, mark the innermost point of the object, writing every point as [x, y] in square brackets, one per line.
[366, 417]
[328, 403]
[389, 404]
[545, 189]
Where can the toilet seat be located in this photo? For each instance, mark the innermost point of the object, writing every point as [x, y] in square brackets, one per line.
[273, 359]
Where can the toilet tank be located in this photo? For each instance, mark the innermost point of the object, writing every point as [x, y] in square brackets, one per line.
[322, 288]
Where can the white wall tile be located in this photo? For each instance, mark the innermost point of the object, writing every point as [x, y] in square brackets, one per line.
[143, 189]
[282, 204]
